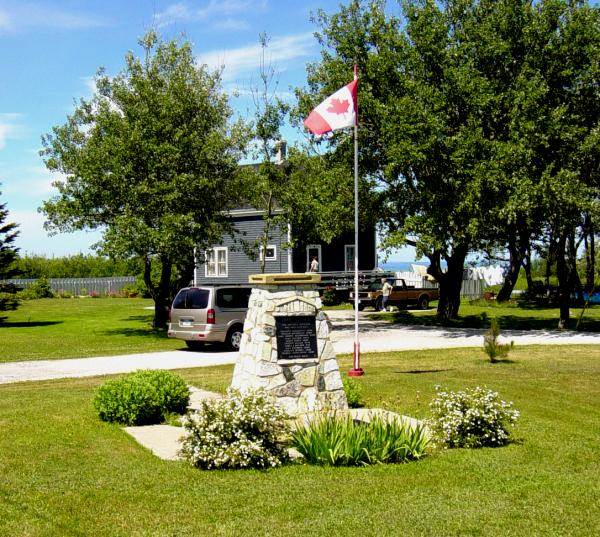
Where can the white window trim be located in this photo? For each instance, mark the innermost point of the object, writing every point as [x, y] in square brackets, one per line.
[216, 254]
[260, 252]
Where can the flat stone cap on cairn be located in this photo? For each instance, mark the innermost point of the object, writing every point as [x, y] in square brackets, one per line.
[289, 278]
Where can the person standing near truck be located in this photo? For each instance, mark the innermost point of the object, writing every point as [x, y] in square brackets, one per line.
[386, 291]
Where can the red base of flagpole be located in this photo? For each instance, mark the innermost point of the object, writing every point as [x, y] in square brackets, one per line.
[356, 371]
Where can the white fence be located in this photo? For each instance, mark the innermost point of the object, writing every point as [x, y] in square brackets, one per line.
[79, 286]
[470, 288]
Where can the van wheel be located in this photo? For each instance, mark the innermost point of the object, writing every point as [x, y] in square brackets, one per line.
[234, 337]
[360, 306]
[195, 345]
[423, 302]
[378, 304]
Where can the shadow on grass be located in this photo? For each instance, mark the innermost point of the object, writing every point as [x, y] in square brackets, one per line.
[143, 318]
[137, 332]
[506, 322]
[32, 324]
[421, 371]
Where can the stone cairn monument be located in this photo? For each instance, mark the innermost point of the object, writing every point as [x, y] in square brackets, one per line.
[286, 348]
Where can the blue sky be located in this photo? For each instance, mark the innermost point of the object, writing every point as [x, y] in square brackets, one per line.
[50, 50]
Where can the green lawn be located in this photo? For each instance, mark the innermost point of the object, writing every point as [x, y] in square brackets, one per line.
[71, 328]
[477, 314]
[63, 472]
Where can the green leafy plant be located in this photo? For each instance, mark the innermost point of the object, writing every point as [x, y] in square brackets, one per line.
[39, 289]
[341, 441]
[130, 291]
[243, 430]
[141, 398]
[495, 350]
[353, 390]
[471, 418]
[330, 297]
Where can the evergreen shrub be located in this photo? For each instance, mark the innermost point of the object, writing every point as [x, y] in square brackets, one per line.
[142, 398]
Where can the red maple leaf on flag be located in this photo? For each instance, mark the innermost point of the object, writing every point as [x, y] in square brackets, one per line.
[338, 107]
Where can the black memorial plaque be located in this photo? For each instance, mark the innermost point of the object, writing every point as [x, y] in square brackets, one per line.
[296, 337]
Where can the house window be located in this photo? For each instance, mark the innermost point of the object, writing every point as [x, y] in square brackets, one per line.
[216, 263]
[271, 253]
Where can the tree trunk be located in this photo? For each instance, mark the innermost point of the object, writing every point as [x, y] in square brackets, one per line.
[550, 259]
[590, 255]
[574, 279]
[510, 280]
[450, 282]
[160, 293]
[564, 290]
[162, 298]
[185, 271]
[527, 268]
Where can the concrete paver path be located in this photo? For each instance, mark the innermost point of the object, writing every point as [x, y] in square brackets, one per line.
[375, 336]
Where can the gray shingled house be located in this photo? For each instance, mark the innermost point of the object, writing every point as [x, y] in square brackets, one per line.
[228, 263]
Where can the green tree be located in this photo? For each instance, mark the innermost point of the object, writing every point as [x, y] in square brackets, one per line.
[478, 125]
[313, 193]
[8, 255]
[421, 103]
[267, 181]
[151, 159]
[568, 131]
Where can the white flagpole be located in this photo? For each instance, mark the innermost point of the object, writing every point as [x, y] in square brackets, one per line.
[356, 370]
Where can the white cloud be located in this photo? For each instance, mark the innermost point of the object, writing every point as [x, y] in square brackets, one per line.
[231, 24]
[247, 59]
[4, 21]
[22, 16]
[10, 128]
[211, 10]
[31, 182]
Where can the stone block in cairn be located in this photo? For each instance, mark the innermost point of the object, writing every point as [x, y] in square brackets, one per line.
[286, 347]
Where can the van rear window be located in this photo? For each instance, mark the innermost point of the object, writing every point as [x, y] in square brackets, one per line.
[191, 299]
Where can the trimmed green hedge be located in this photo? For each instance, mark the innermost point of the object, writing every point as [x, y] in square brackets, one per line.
[142, 398]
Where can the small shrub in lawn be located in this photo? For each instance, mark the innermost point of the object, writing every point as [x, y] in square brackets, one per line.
[141, 398]
[130, 291]
[494, 349]
[353, 391]
[330, 297]
[341, 441]
[39, 289]
[471, 418]
[243, 430]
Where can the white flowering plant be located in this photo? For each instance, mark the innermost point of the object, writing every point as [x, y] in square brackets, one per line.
[243, 430]
[471, 418]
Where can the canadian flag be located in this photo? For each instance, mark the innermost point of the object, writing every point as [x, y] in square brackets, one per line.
[338, 111]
